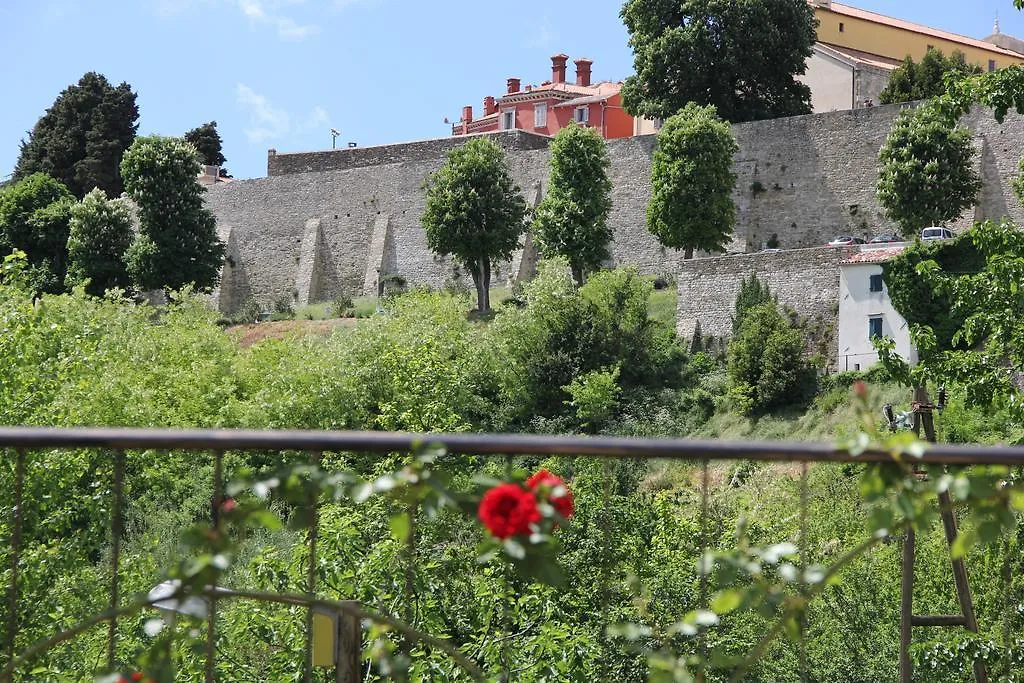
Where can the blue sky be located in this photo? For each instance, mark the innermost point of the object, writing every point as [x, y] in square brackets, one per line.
[282, 73]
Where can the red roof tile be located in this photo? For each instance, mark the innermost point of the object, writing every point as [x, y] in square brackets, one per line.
[879, 255]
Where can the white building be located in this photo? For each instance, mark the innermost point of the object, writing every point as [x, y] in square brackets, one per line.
[865, 311]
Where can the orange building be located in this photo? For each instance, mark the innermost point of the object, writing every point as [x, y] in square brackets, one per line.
[550, 106]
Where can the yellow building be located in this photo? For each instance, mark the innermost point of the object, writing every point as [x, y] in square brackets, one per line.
[857, 50]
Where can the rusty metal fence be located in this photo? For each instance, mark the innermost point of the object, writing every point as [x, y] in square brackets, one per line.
[21, 442]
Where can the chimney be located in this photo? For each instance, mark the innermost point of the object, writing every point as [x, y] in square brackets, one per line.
[583, 71]
[489, 106]
[558, 68]
[467, 114]
[513, 85]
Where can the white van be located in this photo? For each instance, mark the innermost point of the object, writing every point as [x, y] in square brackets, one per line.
[936, 233]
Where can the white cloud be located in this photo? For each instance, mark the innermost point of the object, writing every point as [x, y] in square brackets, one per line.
[543, 35]
[262, 12]
[269, 122]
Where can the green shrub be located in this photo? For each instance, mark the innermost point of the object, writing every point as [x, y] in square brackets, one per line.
[766, 365]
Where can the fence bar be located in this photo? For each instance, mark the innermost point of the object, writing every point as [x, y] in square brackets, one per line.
[938, 620]
[486, 444]
[211, 619]
[314, 536]
[907, 607]
[17, 520]
[116, 531]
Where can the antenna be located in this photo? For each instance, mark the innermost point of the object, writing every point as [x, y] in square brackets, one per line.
[334, 137]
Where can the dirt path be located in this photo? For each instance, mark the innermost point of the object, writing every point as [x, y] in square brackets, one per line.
[247, 335]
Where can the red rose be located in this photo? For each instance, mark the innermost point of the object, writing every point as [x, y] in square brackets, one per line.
[136, 676]
[228, 505]
[508, 510]
[563, 502]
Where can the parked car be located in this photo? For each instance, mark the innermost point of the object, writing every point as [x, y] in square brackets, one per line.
[937, 233]
[885, 239]
[845, 241]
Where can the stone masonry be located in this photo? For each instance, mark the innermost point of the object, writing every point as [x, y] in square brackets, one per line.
[803, 180]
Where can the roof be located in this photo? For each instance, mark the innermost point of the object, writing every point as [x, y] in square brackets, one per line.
[858, 13]
[874, 255]
[859, 56]
[564, 90]
[590, 99]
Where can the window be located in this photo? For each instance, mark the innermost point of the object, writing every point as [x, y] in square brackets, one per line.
[582, 114]
[508, 119]
[876, 283]
[874, 327]
[540, 115]
[841, 27]
[991, 65]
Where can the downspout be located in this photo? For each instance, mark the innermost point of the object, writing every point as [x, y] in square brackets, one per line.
[604, 127]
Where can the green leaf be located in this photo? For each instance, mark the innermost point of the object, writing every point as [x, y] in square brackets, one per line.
[726, 601]
[400, 526]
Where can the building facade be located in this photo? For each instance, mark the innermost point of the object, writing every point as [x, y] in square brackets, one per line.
[866, 311]
[857, 51]
[547, 108]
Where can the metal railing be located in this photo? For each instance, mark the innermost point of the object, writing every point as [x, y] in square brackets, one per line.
[23, 441]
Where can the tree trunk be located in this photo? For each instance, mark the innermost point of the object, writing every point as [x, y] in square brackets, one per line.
[577, 274]
[485, 285]
[688, 254]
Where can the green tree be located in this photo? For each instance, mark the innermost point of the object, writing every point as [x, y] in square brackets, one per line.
[921, 81]
[475, 212]
[82, 136]
[207, 141]
[752, 293]
[766, 365]
[34, 217]
[739, 55]
[100, 235]
[692, 182]
[572, 219]
[926, 177]
[177, 243]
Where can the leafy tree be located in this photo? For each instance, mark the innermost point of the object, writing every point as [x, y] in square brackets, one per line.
[82, 136]
[474, 213]
[572, 219]
[766, 366]
[692, 182]
[177, 244]
[739, 55]
[100, 235]
[921, 81]
[207, 141]
[34, 217]
[927, 177]
[752, 293]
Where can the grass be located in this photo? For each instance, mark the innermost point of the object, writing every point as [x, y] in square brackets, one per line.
[662, 306]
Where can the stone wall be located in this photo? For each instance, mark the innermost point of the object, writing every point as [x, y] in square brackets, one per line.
[379, 155]
[806, 280]
[803, 179]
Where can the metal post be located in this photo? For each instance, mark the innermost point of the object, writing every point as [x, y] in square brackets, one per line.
[349, 647]
[116, 531]
[314, 534]
[17, 513]
[211, 617]
[907, 608]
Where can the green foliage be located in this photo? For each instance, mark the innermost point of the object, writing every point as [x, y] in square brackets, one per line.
[177, 244]
[100, 234]
[740, 56]
[572, 219]
[595, 396]
[920, 299]
[692, 181]
[474, 211]
[752, 293]
[766, 366]
[927, 175]
[207, 142]
[921, 81]
[563, 333]
[34, 217]
[81, 137]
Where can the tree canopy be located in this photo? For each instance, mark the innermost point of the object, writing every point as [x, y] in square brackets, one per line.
[921, 81]
[82, 136]
[100, 235]
[34, 217]
[177, 243]
[766, 366]
[692, 181]
[739, 55]
[474, 211]
[572, 219]
[927, 175]
[207, 142]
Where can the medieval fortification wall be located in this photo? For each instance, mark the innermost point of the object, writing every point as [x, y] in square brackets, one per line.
[326, 223]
